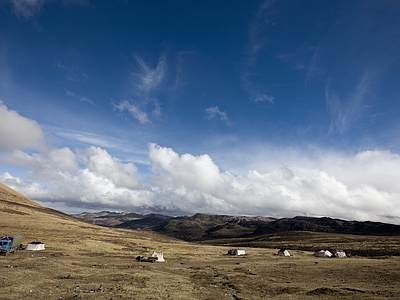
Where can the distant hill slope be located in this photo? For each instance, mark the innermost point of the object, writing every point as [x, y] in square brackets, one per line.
[203, 226]
[8, 194]
[148, 221]
[208, 227]
[19, 214]
[108, 218]
[326, 224]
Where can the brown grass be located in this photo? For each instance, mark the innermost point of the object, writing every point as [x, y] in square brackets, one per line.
[83, 261]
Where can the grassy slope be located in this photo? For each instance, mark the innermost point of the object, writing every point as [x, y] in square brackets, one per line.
[84, 261]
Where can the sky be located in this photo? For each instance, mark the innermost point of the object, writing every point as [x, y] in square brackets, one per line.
[268, 108]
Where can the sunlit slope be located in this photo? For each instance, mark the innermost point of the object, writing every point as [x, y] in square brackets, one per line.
[19, 214]
[8, 194]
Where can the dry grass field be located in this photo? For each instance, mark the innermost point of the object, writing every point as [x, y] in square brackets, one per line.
[84, 261]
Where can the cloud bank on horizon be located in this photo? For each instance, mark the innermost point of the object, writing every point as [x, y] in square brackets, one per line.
[269, 108]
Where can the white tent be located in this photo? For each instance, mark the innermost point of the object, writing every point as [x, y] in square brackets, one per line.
[340, 254]
[323, 253]
[283, 252]
[236, 252]
[35, 246]
[159, 255]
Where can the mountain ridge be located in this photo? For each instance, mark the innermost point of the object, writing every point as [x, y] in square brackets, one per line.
[208, 226]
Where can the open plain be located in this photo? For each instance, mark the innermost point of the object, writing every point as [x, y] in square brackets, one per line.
[85, 261]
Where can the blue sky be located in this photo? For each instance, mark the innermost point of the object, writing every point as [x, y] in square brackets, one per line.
[275, 108]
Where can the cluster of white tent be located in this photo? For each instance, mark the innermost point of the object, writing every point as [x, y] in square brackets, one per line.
[236, 252]
[320, 253]
[327, 253]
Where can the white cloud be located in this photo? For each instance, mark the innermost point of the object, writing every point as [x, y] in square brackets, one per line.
[100, 162]
[79, 97]
[258, 34]
[214, 111]
[134, 110]
[82, 179]
[27, 8]
[346, 113]
[148, 79]
[157, 107]
[17, 131]
[263, 98]
[77, 2]
[355, 187]
[258, 37]
[196, 184]
[145, 81]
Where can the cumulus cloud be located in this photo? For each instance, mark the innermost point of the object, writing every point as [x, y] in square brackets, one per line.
[197, 183]
[17, 131]
[354, 187]
[89, 177]
[101, 163]
[214, 111]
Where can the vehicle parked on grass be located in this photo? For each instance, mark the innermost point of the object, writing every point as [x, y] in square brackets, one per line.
[10, 243]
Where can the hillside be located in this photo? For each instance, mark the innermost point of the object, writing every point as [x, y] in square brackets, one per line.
[201, 227]
[86, 261]
[22, 215]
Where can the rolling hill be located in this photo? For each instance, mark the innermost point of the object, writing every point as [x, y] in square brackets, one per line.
[200, 227]
[86, 261]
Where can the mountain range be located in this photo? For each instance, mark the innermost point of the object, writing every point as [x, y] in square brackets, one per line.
[200, 227]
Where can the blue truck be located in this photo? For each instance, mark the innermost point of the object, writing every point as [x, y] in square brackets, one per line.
[10, 243]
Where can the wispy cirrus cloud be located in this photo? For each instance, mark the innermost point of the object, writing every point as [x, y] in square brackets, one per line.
[77, 2]
[255, 91]
[73, 73]
[263, 98]
[134, 111]
[156, 112]
[27, 8]
[258, 32]
[145, 81]
[79, 97]
[147, 78]
[304, 59]
[214, 111]
[345, 112]
[257, 41]
[65, 67]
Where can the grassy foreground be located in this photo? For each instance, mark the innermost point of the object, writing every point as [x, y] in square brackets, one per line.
[84, 261]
